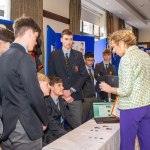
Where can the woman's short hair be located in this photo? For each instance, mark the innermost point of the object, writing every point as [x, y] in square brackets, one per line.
[6, 35]
[123, 35]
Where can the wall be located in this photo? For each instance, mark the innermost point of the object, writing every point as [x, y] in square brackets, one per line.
[59, 7]
[116, 23]
[144, 35]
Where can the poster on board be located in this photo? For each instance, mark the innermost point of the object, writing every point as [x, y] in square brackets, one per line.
[79, 46]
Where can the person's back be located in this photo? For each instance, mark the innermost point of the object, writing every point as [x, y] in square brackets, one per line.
[6, 38]
[15, 97]
[140, 66]
[22, 98]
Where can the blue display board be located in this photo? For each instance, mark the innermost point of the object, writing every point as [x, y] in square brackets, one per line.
[7, 24]
[50, 45]
[116, 61]
[99, 47]
[89, 42]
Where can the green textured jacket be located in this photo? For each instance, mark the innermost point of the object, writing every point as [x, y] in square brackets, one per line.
[134, 79]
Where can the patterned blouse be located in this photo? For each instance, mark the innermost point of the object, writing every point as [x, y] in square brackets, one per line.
[134, 79]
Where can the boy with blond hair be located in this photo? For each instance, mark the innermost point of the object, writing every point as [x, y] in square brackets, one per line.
[44, 83]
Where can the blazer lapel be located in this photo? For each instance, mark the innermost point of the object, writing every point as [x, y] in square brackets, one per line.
[71, 60]
[61, 104]
[62, 60]
[109, 70]
[16, 45]
[54, 106]
[104, 69]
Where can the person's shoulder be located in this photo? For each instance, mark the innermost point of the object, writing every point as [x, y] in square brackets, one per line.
[111, 64]
[17, 50]
[62, 101]
[48, 100]
[56, 51]
[18, 47]
[99, 64]
[27, 57]
[76, 52]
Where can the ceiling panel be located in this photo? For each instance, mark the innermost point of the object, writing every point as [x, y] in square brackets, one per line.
[134, 12]
[141, 6]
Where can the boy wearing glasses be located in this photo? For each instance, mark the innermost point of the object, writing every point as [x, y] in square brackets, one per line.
[88, 87]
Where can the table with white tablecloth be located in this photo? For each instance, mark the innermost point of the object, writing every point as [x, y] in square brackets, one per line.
[89, 136]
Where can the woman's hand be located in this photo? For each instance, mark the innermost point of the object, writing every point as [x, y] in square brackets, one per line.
[105, 87]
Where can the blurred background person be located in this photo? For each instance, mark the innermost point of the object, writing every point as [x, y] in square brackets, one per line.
[133, 91]
[35, 53]
[101, 69]
[22, 99]
[88, 87]
[6, 38]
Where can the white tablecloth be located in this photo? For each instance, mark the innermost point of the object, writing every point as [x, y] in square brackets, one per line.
[89, 136]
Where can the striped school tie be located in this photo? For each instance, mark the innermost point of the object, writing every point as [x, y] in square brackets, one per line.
[67, 61]
[91, 75]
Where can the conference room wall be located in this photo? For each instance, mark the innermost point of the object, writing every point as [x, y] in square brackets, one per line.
[144, 35]
[59, 7]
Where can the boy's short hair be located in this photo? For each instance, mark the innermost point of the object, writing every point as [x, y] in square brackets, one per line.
[42, 77]
[21, 25]
[88, 55]
[66, 32]
[6, 35]
[55, 80]
[106, 51]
